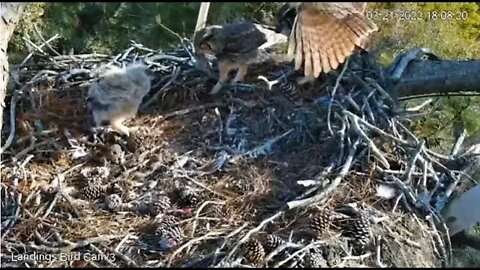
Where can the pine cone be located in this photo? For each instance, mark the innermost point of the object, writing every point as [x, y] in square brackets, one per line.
[295, 262]
[359, 229]
[113, 201]
[219, 211]
[320, 222]
[189, 196]
[274, 241]
[174, 234]
[166, 222]
[254, 252]
[171, 236]
[92, 190]
[314, 260]
[238, 186]
[159, 205]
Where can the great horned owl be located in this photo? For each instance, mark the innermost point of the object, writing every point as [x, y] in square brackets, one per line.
[324, 35]
[117, 94]
[235, 45]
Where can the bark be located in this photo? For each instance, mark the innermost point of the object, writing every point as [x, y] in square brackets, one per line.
[9, 16]
[428, 78]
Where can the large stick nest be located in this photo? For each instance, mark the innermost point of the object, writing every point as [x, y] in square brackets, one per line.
[269, 174]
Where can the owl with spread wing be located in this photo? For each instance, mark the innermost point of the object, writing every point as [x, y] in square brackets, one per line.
[235, 45]
[117, 94]
[324, 35]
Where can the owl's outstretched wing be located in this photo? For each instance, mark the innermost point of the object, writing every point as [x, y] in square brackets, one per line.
[325, 34]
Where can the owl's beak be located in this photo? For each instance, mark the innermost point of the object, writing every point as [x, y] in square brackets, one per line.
[201, 63]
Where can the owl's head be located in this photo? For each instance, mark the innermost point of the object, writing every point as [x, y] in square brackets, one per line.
[140, 74]
[205, 40]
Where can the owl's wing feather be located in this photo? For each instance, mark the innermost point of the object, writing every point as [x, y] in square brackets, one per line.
[308, 46]
[325, 34]
[298, 46]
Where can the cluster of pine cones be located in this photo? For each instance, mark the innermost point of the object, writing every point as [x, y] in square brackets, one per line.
[354, 224]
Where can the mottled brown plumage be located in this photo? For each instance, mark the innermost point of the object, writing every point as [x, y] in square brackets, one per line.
[324, 35]
[235, 45]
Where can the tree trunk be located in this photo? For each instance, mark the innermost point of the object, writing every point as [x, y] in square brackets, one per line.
[427, 78]
[10, 15]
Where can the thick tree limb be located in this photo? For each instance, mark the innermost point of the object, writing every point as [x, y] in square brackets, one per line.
[10, 14]
[446, 77]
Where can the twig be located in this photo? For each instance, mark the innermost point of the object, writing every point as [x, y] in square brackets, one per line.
[175, 73]
[332, 97]
[313, 244]
[332, 186]
[11, 135]
[83, 243]
[379, 252]
[281, 248]
[199, 211]
[12, 222]
[376, 130]
[373, 147]
[458, 143]
[210, 235]
[124, 240]
[411, 165]
[31, 246]
[380, 89]
[249, 233]
[190, 110]
[159, 22]
[59, 179]
[203, 186]
[31, 54]
[419, 107]
[44, 42]
[360, 257]
[225, 241]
